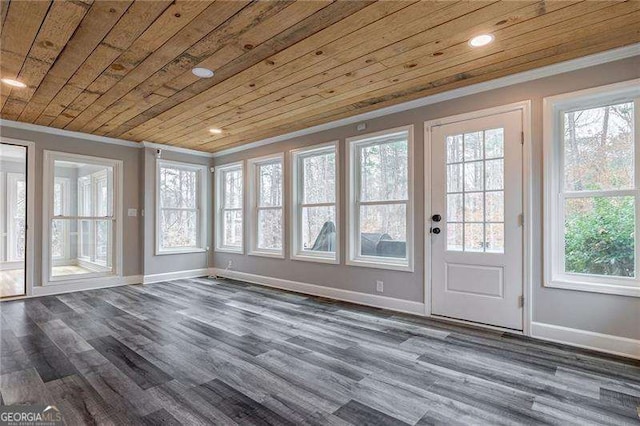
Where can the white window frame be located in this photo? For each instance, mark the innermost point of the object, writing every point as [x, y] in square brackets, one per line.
[220, 209]
[50, 157]
[354, 258]
[12, 200]
[554, 194]
[65, 184]
[252, 165]
[297, 156]
[200, 209]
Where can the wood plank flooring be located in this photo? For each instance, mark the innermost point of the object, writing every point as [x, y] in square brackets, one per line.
[202, 351]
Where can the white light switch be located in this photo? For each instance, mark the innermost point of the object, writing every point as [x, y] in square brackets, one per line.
[132, 212]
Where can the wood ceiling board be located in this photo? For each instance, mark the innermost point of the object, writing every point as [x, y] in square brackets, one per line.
[133, 23]
[177, 16]
[19, 30]
[355, 69]
[227, 44]
[279, 65]
[95, 25]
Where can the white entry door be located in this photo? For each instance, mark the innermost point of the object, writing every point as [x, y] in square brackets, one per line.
[476, 230]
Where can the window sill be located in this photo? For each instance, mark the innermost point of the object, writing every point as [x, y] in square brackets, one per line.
[380, 264]
[81, 278]
[620, 290]
[229, 250]
[317, 259]
[185, 251]
[273, 255]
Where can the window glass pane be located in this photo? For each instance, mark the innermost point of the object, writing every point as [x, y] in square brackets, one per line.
[454, 178]
[89, 251]
[319, 229]
[319, 178]
[178, 187]
[454, 149]
[179, 229]
[270, 229]
[454, 208]
[494, 143]
[89, 187]
[494, 238]
[473, 146]
[383, 230]
[474, 207]
[384, 171]
[454, 236]
[232, 187]
[269, 184]
[232, 228]
[494, 206]
[474, 176]
[598, 148]
[58, 239]
[599, 236]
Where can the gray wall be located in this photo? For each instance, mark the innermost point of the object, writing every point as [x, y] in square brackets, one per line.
[609, 314]
[158, 264]
[132, 259]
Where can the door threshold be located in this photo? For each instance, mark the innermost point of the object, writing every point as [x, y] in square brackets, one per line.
[477, 324]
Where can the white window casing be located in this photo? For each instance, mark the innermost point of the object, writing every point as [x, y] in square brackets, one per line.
[225, 209]
[556, 194]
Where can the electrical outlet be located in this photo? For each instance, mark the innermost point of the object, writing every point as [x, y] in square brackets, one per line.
[379, 286]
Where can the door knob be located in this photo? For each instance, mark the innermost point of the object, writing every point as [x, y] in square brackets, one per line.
[435, 231]
[436, 218]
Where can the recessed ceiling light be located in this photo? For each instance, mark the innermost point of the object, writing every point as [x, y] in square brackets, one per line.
[481, 40]
[14, 83]
[215, 130]
[202, 72]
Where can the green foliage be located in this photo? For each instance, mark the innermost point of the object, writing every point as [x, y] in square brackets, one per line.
[599, 238]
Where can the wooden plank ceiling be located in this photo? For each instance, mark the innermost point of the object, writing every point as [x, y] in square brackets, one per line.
[123, 68]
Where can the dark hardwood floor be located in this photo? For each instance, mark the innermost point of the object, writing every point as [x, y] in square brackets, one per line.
[224, 352]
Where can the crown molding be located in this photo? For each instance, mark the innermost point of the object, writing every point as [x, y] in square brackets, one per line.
[66, 133]
[147, 144]
[523, 77]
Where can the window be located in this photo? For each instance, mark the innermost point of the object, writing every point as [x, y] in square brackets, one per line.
[229, 207]
[380, 200]
[83, 230]
[180, 216]
[314, 214]
[266, 177]
[16, 214]
[592, 190]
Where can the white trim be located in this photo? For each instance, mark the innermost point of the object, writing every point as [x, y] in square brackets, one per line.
[554, 275]
[116, 216]
[201, 207]
[399, 305]
[67, 133]
[253, 208]
[31, 191]
[86, 284]
[296, 203]
[167, 276]
[522, 77]
[353, 238]
[177, 149]
[527, 182]
[218, 215]
[615, 345]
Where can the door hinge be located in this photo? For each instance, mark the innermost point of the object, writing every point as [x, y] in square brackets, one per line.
[522, 138]
[521, 301]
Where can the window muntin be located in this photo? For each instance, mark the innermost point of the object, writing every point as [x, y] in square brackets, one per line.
[80, 217]
[180, 218]
[475, 191]
[229, 207]
[267, 202]
[380, 216]
[592, 185]
[314, 209]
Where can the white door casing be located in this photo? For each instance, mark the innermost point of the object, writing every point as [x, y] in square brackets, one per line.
[477, 258]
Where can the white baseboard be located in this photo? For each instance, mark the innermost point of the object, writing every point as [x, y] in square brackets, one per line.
[89, 284]
[587, 339]
[167, 276]
[374, 300]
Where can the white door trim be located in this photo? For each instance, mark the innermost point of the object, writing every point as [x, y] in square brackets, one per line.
[525, 108]
[31, 197]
